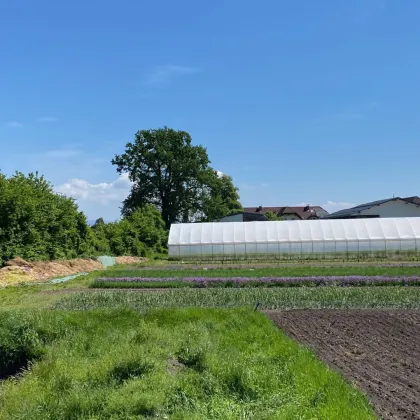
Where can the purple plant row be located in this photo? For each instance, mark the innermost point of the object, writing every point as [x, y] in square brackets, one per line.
[317, 280]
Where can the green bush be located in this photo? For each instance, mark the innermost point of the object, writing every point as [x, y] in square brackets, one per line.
[38, 224]
[20, 344]
[140, 234]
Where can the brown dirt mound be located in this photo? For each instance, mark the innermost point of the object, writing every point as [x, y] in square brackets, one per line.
[377, 349]
[18, 270]
[18, 262]
[130, 260]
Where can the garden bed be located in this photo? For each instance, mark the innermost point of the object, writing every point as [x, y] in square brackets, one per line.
[208, 282]
[377, 349]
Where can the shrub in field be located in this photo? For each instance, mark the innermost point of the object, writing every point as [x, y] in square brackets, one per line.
[20, 344]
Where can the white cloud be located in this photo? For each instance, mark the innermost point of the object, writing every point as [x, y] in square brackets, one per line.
[46, 119]
[162, 75]
[103, 193]
[219, 174]
[13, 124]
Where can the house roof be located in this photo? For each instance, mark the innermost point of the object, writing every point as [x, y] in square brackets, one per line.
[414, 200]
[249, 216]
[302, 212]
[262, 210]
[354, 211]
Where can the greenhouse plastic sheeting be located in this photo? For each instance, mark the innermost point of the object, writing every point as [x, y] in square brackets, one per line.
[305, 236]
[67, 278]
[106, 261]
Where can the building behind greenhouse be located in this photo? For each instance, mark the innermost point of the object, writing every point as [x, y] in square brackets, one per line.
[288, 239]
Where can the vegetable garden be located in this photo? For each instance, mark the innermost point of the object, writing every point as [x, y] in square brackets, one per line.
[176, 343]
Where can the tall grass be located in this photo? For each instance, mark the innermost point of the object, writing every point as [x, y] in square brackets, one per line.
[272, 298]
[178, 364]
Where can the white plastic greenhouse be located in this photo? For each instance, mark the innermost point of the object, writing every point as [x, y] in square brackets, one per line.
[236, 239]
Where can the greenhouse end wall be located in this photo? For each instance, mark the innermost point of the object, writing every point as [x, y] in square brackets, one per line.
[306, 238]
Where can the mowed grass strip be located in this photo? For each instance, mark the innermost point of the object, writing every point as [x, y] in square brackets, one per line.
[262, 298]
[294, 271]
[170, 363]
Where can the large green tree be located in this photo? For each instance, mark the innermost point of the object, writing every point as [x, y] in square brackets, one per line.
[220, 197]
[37, 223]
[173, 175]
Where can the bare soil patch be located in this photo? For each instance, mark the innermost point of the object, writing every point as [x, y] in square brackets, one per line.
[379, 350]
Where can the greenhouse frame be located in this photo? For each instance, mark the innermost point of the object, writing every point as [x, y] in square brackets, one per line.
[283, 239]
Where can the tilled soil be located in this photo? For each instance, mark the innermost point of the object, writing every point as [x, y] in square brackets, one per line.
[379, 350]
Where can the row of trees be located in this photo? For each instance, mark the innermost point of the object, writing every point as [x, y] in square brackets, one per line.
[36, 223]
[172, 182]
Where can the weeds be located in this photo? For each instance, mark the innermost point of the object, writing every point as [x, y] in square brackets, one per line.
[231, 364]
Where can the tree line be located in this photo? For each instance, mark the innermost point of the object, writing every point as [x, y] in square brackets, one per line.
[172, 182]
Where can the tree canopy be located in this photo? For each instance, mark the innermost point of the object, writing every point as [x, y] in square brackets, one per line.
[175, 176]
[272, 216]
[138, 234]
[37, 223]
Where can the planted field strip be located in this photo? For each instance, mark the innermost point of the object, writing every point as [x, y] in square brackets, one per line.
[262, 298]
[310, 281]
[290, 271]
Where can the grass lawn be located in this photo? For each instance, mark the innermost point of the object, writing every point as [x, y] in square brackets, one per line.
[169, 363]
[297, 271]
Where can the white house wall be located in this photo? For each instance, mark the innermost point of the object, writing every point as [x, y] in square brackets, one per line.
[302, 236]
[393, 209]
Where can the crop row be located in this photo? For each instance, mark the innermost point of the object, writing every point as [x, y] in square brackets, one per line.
[264, 298]
[260, 281]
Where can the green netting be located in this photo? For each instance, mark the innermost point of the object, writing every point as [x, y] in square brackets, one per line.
[106, 261]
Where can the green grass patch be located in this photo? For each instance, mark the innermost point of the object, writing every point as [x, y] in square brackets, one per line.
[170, 363]
[292, 271]
[176, 284]
[263, 298]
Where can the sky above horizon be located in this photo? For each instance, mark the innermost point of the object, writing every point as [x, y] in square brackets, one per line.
[300, 102]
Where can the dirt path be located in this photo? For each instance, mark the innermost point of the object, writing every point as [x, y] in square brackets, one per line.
[379, 350]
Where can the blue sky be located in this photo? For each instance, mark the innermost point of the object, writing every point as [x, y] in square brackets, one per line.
[300, 102]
